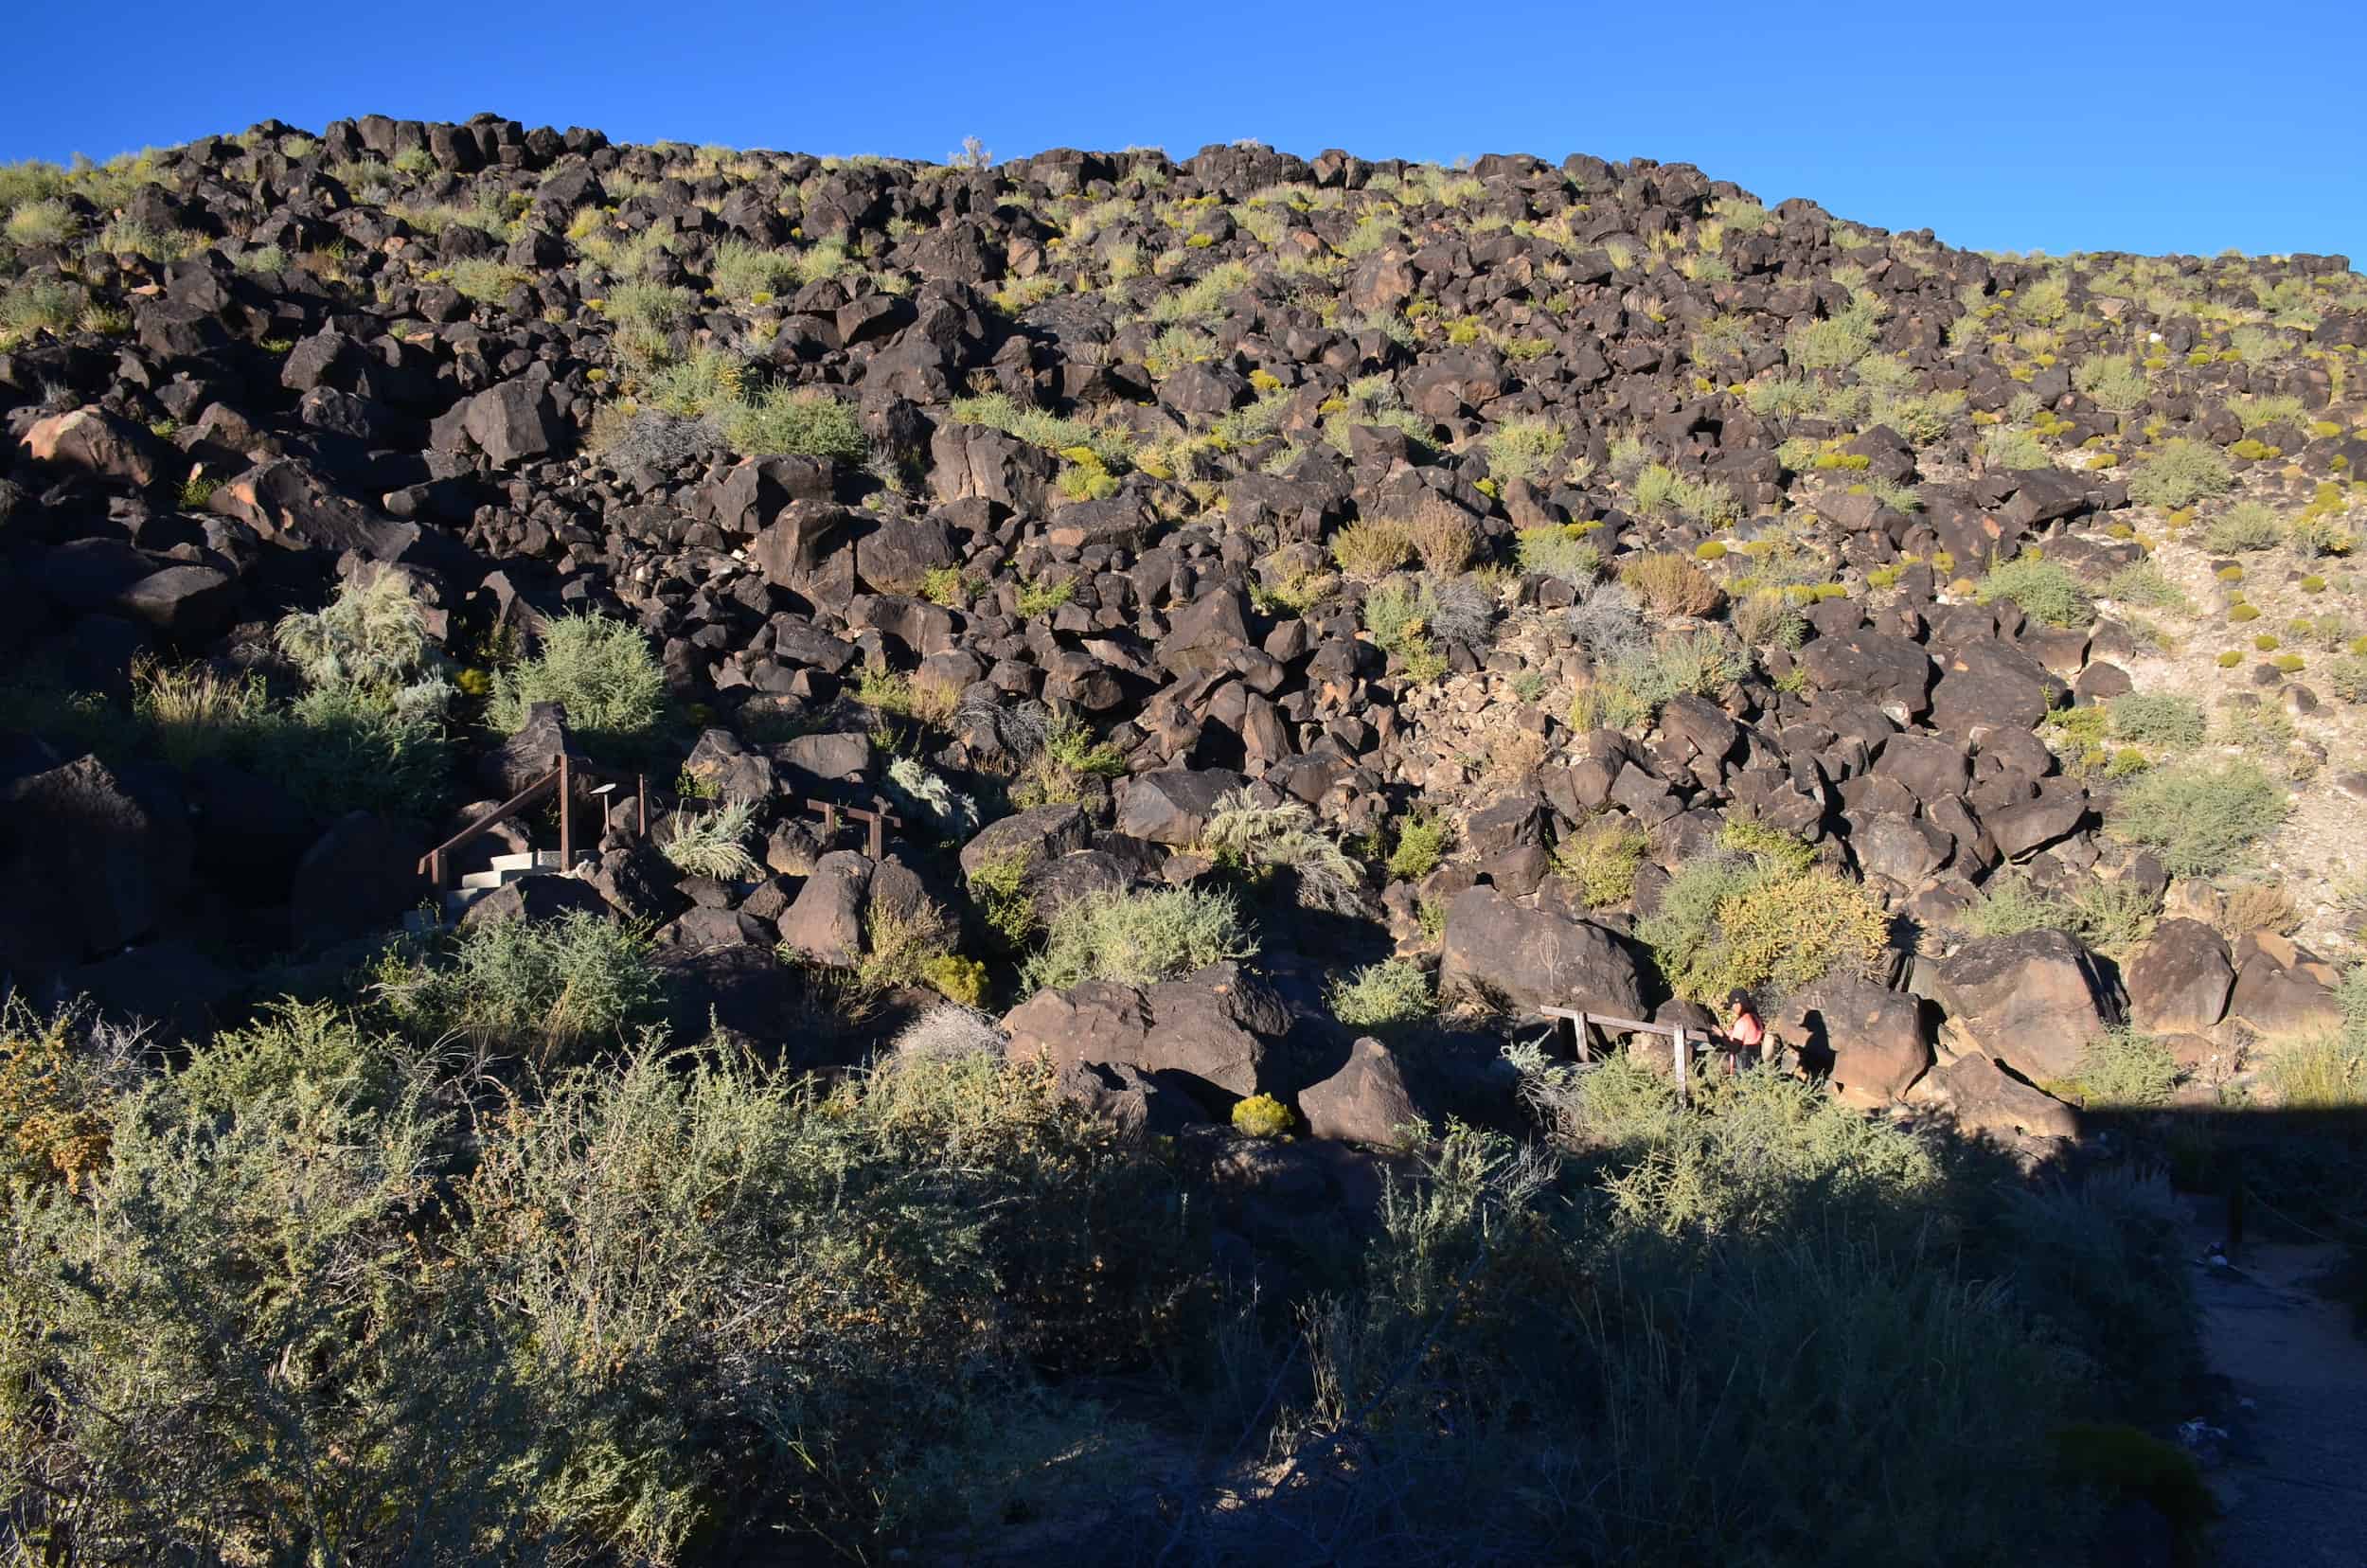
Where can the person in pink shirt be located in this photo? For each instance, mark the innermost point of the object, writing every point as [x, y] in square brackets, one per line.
[1745, 1034]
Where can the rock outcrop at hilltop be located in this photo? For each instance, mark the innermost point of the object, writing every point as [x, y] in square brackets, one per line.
[1612, 521]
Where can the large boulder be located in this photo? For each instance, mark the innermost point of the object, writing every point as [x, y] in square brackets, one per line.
[1981, 1097]
[2282, 989]
[97, 442]
[1866, 1039]
[1365, 1101]
[2034, 1000]
[826, 922]
[89, 860]
[1172, 807]
[2178, 981]
[1032, 837]
[1524, 958]
[1213, 1033]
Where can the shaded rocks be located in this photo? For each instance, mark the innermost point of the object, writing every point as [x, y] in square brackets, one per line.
[1365, 1101]
[1213, 1034]
[1866, 1041]
[91, 859]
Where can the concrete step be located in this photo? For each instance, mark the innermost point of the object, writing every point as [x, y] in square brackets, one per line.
[533, 860]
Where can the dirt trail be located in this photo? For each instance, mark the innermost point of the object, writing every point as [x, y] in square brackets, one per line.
[2295, 1486]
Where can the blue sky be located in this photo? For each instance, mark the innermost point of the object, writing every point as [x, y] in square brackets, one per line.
[2106, 125]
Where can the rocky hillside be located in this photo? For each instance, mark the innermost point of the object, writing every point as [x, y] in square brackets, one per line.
[1279, 597]
[1291, 622]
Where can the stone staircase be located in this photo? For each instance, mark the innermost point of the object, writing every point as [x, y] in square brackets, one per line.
[501, 871]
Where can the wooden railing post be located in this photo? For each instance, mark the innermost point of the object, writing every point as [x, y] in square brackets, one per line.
[1684, 1053]
[566, 814]
[641, 796]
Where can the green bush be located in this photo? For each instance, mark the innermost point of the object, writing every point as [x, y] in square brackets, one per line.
[1758, 923]
[2202, 819]
[1262, 1116]
[1599, 860]
[2010, 905]
[1421, 844]
[1392, 994]
[1560, 551]
[548, 989]
[2115, 383]
[600, 669]
[2246, 526]
[1139, 938]
[2181, 473]
[1283, 836]
[784, 419]
[2046, 591]
[2121, 1070]
[372, 635]
[2158, 719]
[1524, 448]
[712, 843]
[2145, 585]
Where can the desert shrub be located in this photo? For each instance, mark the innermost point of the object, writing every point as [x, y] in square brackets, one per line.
[338, 748]
[1563, 551]
[2347, 677]
[232, 1342]
[603, 672]
[736, 1300]
[372, 635]
[2158, 719]
[44, 222]
[998, 885]
[2046, 591]
[2245, 525]
[547, 989]
[2144, 583]
[2112, 382]
[931, 798]
[36, 303]
[740, 270]
[948, 1032]
[1262, 1116]
[1629, 691]
[1671, 585]
[1458, 609]
[2326, 1071]
[712, 843]
[1766, 618]
[63, 1076]
[1283, 836]
[1445, 541]
[482, 279]
[1524, 448]
[1834, 342]
[2257, 411]
[785, 419]
[1393, 994]
[2202, 819]
[2121, 1069]
[2010, 904]
[1606, 623]
[1396, 617]
[1422, 843]
[1599, 860]
[2181, 473]
[1755, 921]
[1139, 938]
[1372, 547]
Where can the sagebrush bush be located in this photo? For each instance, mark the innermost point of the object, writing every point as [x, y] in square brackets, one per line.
[600, 669]
[2121, 1070]
[2181, 473]
[1422, 843]
[2202, 819]
[1564, 551]
[1283, 836]
[2158, 719]
[1671, 585]
[712, 843]
[2245, 525]
[1393, 994]
[1524, 448]
[372, 635]
[1139, 938]
[2046, 591]
[1756, 922]
[547, 990]
[1372, 547]
[1766, 618]
[1600, 859]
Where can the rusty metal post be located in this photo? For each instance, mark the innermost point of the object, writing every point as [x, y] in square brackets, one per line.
[566, 814]
[877, 843]
[829, 822]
